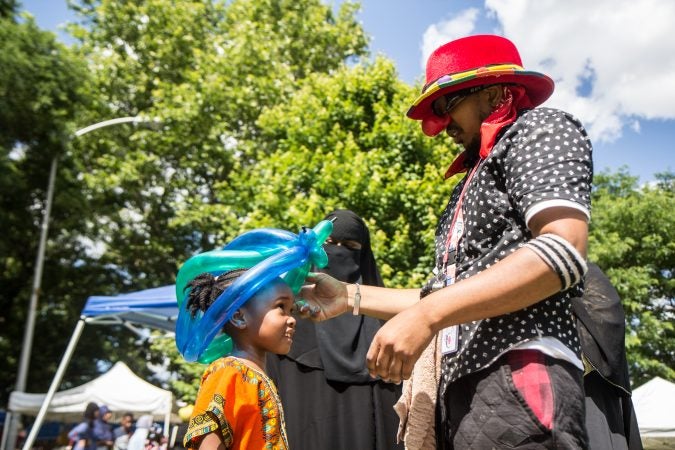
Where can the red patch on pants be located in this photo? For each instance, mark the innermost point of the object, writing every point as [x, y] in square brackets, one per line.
[528, 368]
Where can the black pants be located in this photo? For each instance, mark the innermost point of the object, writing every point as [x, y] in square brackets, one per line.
[485, 410]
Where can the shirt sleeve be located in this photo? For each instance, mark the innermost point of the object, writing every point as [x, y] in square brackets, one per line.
[77, 433]
[549, 164]
[212, 413]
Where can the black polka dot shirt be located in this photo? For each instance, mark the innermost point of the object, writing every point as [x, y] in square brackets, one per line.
[542, 160]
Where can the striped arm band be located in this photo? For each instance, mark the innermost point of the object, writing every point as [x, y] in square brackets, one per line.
[561, 256]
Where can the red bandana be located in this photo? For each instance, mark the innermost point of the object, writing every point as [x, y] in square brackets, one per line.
[514, 99]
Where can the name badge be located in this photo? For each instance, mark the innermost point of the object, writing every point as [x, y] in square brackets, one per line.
[449, 340]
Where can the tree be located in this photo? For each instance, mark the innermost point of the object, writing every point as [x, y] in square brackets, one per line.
[202, 67]
[8, 8]
[632, 237]
[42, 85]
[133, 204]
[343, 141]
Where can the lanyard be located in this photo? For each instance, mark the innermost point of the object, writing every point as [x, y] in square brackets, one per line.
[456, 227]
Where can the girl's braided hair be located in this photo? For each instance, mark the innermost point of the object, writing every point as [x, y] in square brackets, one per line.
[205, 289]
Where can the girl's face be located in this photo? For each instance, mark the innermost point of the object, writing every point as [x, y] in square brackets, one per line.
[270, 323]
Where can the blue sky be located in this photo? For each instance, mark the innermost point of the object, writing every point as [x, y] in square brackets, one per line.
[613, 60]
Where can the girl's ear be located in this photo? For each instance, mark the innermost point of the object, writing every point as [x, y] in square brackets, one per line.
[238, 320]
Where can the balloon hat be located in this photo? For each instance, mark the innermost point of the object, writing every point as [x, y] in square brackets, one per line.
[268, 253]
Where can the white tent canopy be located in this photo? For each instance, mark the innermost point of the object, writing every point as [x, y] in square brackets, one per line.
[653, 403]
[119, 389]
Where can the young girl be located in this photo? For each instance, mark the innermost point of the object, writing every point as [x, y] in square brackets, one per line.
[237, 405]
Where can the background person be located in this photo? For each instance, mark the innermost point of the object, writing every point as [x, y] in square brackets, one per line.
[103, 428]
[610, 417]
[330, 400]
[82, 435]
[510, 254]
[139, 439]
[123, 432]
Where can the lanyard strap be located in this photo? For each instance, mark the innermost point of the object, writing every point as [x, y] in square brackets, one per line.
[455, 233]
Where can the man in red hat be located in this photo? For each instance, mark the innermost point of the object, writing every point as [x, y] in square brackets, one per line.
[510, 254]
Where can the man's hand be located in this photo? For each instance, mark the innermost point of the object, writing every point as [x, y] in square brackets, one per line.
[323, 300]
[399, 344]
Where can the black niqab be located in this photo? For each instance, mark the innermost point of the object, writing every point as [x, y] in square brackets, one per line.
[339, 345]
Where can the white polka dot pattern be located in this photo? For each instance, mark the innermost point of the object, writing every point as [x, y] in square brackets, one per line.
[545, 155]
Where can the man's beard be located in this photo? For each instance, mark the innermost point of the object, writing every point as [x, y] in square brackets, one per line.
[472, 149]
[472, 152]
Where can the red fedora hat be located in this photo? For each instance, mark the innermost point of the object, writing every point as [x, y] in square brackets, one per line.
[473, 61]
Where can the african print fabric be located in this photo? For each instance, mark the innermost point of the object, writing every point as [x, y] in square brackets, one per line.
[241, 405]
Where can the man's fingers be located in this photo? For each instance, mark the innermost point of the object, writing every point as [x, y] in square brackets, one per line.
[395, 370]
[382, 363]
[305, 309]
[312, 276]
[407, 369]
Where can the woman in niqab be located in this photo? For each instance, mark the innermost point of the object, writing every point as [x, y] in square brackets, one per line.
[329, 400]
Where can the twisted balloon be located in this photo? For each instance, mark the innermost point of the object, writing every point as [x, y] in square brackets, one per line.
[267, 253]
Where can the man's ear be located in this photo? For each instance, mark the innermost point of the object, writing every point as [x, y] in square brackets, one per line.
[494, 94]
[238, 319]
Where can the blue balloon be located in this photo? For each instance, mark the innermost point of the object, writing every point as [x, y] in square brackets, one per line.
[267, 253]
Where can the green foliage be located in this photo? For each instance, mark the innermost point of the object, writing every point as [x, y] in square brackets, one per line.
[41, 89]
[8, 8]
[185, 376]
[203, 69]
[633, 239]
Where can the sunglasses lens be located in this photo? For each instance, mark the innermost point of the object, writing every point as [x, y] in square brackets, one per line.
[443, 105]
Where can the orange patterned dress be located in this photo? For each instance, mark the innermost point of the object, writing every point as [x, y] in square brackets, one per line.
[241, 405]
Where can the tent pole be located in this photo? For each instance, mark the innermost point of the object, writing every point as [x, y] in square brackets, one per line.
[167, 418]
[5, 431]
[55, 384]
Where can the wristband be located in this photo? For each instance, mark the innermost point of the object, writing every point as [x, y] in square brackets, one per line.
[357, 300]
[561, 256]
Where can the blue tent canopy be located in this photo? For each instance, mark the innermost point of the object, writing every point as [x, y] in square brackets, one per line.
[154, 308]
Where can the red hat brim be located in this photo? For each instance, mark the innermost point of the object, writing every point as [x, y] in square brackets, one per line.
[539, 87]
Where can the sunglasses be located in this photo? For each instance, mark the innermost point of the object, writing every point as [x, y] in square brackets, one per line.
[442, 106]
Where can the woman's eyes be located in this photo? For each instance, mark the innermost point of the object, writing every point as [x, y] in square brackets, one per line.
[352, 245]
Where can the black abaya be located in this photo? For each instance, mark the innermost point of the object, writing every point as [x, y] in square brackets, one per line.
[610, 418]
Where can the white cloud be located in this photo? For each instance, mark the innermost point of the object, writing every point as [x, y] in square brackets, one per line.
[613, 61]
